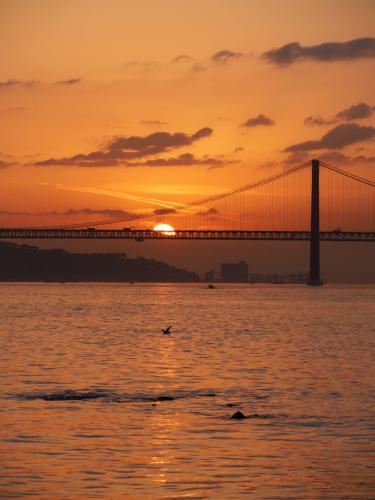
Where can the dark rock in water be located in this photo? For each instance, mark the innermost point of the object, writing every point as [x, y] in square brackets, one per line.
[230, 405]
[164, 398]
[238, 416]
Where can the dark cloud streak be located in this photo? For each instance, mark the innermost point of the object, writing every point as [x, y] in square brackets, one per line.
[133, 151]
[324, 52]
[8, 84]
[70, 81]
[258, 120]
[336, 138]
[72, 212]
[226, 56]
[208, 212]
[152, 122]
[358, 111]
[183, 160]
[318, 120]
[6, 164]
[182, 58]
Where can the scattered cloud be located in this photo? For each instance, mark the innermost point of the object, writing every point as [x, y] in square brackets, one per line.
[156, 143]
[239, 149]
[14, 109]
[6, 164]
[8, 84]
[296, 158]
[312, 121]
[338, 157]
[183, 58]
[259, 120]
[336, 138]
[110, 212]
[220, 58]
[70, 81]
[153, 122]
[334, 157]
[131, 151]
[269, 164]
[324, 52]
[140, 67]
[358, 111]
[198, 67]
[226, 56]
[164, 211]
[183, 160]
[208, 212]
[363, 159]
[10, 213]
[72, 212]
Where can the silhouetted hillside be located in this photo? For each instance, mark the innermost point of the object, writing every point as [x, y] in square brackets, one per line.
[26, 263]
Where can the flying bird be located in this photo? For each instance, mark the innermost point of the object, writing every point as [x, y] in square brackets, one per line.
[167, 331]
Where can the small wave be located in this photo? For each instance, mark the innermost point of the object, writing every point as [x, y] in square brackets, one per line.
[238, 415]
[66, 395]
[108, 396]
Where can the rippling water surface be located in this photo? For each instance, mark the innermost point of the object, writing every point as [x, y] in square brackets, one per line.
[97, 403]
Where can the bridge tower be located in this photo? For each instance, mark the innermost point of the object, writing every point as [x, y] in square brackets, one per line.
[314, 278]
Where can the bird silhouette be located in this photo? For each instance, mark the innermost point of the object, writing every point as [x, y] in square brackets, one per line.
[167, 331]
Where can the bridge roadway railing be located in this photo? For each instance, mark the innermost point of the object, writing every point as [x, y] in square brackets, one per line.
[144, 234]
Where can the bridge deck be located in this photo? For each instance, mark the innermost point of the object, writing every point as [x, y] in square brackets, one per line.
[141, 235]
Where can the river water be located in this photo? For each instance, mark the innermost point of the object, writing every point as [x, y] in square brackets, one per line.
[87, 381]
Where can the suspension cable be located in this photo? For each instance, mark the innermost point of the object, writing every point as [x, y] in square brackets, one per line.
[368, 182]
[188, 205]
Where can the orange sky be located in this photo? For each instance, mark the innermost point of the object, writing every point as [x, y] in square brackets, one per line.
[78, 75]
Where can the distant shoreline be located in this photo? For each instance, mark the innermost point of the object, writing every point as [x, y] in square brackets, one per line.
[24, 263]
[197, 283]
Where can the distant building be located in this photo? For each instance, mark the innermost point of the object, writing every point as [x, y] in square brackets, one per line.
[238, 273]
[208, 276]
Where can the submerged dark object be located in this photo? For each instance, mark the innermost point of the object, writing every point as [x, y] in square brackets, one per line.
[164, 398]
[238, 416]
[167, 331]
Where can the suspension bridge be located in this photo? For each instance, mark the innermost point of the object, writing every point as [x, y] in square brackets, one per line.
[312, 202]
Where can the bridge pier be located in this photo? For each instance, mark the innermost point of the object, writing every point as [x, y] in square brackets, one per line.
[314, 278]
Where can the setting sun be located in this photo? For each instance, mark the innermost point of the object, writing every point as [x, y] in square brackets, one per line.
[165, 229]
